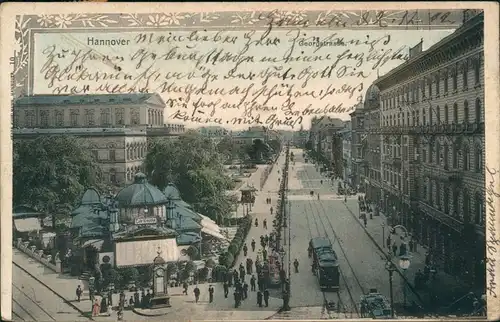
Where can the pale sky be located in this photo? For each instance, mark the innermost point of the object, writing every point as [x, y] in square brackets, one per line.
[250, 92]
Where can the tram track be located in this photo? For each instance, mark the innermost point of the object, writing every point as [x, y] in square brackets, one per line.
[30, 300]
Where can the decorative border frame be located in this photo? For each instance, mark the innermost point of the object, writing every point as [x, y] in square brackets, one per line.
[27, 25]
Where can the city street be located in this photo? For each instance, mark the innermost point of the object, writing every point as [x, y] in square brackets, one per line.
[362, 265]
[32, 301]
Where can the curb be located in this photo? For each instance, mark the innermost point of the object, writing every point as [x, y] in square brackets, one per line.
[52, 290]
[148, 315]
[410, 286]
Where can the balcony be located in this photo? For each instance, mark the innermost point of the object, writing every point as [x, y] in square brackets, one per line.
[442, 174]
[447, 220]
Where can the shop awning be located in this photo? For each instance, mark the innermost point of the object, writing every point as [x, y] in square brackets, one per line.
[97, 243]
[213, 233]
[27, 224]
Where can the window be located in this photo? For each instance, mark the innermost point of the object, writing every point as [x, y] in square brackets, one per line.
[59, 118]
[466, 159]
[423, 87]
[30, 118]
[90, 117]
[95, 154]
[477, 70]
[430, 115]
[446, 200]
[112, 176]
[478, 110]
[438, 153]
[437, 84]
[455, 113]
[424, 119]
[478, 160]
[424, 155]
[134, 117]
[455, 157]
[429, 85]
[105, 116]
[44, 118]
[446, 114]
[112, 155]
[431, 194]
[431, 152]
[466, 206]
[466, 111]
[465, 74]
[456, 203]
[74, 118]
[479, 213]
[438, 115]
[437, 192]
[445, 80]
[455, 80]
[445, 157]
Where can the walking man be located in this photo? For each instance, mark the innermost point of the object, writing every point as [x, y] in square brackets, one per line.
[245, 248]
[245, 290]
[259, 298]
[265, 224]
[252, 283]
[79, 292]
[226, 290]
[236, 298]
[196, 294]
[253, 245]
[185, 286]
[210, 294]
[266, 297]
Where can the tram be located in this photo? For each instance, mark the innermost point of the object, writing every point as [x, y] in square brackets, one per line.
[325, 263]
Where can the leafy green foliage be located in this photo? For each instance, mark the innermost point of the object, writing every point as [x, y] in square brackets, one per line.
[195, 166]
[50, 173]
[227, 259]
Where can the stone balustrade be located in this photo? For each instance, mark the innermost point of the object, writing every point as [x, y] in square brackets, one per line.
[38, 255]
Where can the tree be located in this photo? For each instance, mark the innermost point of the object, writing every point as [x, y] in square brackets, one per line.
[50, 173]
[195, 166]
[275, 145]
[227, 148]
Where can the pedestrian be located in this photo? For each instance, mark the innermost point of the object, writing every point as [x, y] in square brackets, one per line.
[252, 283]
[226, 289]
[137, 300]
[235, 277]
[210, 294]
[96, 308]
[264, 254]
[148, 299]
[143, 299]
[196, 294]
[245, 249]
[388, 241]
[259, 298]
[296, 265]
[266, 297]
[185, 286]
[271, 210]
[131, 302]
[79, 292]
[262, 243]
[364, 220]
[253, 245]
[242, 271]
[236, 298]
[245, 290]
[394, 248]
[265, 224]
[250, 264]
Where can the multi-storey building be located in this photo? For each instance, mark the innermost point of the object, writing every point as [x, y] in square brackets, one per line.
[116, 125]
[327, 141]
[432, 124]
[215, 133]
[346, 153]
[358, 146]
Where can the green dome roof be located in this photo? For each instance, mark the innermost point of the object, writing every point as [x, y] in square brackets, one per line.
[171, 192]
[139, 194]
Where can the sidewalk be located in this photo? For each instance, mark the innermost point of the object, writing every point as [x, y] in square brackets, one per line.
[183, 307]
[378, 230]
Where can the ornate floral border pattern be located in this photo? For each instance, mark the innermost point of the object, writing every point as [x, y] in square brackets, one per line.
[331, 19]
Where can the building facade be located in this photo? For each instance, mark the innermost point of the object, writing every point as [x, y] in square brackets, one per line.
[346, 153]
[432, 149]
[119, 151]
[358, 146]
[116, 125]
[326, 141]
[214, 133]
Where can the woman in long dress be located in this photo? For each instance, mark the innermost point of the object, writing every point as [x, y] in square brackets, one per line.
[96, 308]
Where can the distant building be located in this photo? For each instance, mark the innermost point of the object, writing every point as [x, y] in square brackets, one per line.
[346, 153]
[327, 142]
[214, 133]
[170, 131]
[117, 125]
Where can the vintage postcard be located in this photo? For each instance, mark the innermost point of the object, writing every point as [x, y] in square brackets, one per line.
[282, 161]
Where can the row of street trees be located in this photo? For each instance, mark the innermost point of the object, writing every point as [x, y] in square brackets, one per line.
[257, 152]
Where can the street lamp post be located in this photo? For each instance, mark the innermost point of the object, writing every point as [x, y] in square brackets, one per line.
[390, 267]
[404, 263]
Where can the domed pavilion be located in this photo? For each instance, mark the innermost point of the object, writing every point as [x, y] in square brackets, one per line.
[139, 200]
